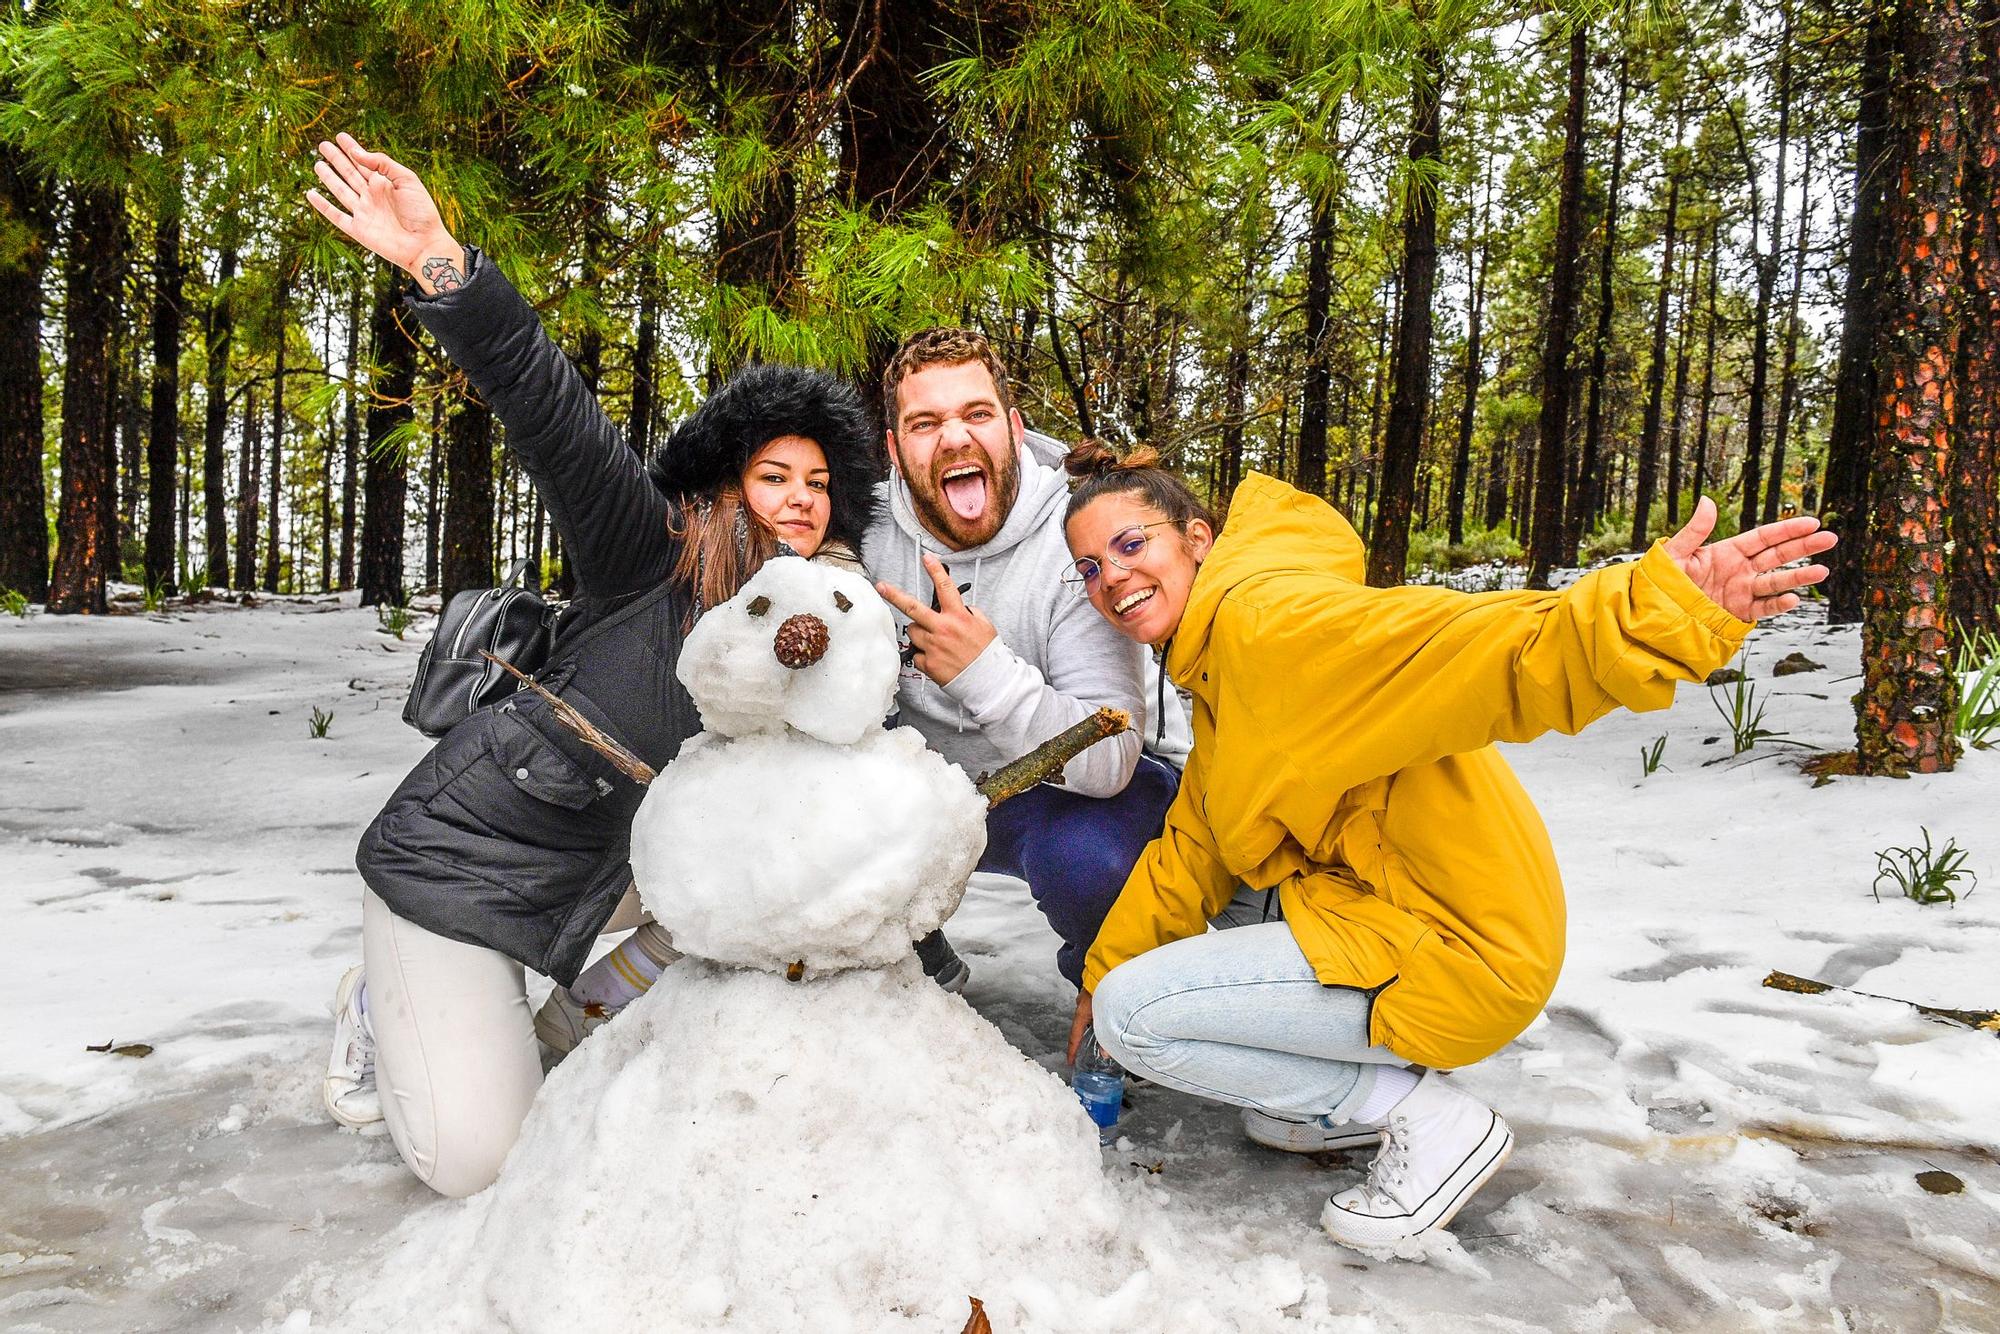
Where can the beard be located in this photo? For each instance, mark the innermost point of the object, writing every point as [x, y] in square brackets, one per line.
[1002, 483]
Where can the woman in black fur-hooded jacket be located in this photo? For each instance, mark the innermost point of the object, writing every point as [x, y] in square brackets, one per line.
[507, 845]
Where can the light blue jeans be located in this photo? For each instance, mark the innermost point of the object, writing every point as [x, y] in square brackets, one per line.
[1238, 1016]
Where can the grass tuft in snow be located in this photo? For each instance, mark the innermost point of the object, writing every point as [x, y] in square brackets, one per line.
[1740, 710]
[393, 618]
[1925, 875]
[1649, 756]
[13, 602]
[321, 720]
[1978, 668]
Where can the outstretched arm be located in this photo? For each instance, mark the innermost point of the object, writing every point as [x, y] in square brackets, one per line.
[612, 519]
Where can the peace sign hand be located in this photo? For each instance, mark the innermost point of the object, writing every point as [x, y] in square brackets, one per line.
[383, 206]
[1742, 575]
[946, 637]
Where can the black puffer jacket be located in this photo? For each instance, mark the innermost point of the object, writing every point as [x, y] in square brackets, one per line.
[511, 833]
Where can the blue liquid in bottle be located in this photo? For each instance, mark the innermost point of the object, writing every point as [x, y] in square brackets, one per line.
[1099, 1085]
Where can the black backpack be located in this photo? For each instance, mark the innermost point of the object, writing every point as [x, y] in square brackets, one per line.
[512, 622]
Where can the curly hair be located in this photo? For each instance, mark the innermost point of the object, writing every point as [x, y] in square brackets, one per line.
[942, 346]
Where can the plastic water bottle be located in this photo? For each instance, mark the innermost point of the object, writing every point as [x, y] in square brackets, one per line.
[1099, 1085]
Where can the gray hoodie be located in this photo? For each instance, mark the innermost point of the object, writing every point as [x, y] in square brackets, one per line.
[1055, 661]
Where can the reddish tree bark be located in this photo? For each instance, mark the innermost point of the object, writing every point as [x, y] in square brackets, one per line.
[1975, 488]
[1905, 711]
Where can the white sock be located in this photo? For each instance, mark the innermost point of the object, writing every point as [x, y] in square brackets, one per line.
[628, 971]
[1392, 1084]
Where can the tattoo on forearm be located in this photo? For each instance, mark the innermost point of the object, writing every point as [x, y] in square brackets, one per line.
[443, 273]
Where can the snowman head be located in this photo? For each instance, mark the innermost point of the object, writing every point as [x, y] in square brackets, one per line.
[803, 645]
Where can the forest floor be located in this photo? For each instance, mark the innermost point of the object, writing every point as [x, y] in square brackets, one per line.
[1696, 1152]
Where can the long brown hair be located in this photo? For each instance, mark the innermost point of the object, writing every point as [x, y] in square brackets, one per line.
[723, 542]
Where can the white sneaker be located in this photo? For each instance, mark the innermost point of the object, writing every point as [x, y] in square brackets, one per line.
[1317, 1135]
[563, 1021]
[1438, 1147]
[348, 1091]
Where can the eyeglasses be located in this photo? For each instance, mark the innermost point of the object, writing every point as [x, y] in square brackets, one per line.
[1126, 546]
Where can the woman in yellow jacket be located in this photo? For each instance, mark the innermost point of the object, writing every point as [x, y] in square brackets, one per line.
[1343, 758]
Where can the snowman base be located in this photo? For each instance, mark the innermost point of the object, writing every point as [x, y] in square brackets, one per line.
[857, 1152]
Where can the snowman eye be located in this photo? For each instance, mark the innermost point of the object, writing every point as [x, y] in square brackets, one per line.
[840, 601]
[758, 605]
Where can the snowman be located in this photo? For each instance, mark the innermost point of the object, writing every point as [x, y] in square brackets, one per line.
[794, 1129]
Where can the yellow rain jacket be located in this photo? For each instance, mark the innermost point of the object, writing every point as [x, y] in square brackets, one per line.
[1343, 756]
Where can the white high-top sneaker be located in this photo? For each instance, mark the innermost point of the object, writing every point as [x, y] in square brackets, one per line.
[1317, 1135]
[564, 1021]
[1438, 1147]
[348, 1091]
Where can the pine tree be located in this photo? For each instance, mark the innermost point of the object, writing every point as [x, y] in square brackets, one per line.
[1905, 710]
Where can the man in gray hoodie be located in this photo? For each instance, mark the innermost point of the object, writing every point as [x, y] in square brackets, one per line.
[1000, 653]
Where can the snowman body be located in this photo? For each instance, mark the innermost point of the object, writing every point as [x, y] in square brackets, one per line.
[797, 829]
[795, 1129]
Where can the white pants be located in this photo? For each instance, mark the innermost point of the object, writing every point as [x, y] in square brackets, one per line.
[456, 1060]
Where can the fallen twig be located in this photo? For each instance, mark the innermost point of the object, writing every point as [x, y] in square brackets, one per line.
[1987, 1021]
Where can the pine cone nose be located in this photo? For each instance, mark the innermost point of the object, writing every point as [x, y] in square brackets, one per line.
[801, 640]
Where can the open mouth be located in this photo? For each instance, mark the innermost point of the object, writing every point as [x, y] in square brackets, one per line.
[964, 487]
[1132, 601]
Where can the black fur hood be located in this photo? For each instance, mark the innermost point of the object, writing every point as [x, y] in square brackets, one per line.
[760, 403]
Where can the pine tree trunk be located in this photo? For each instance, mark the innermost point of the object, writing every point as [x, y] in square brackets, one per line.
[350, 437]
[274, 526]
[1699, 488]
[1905, 711]
[129, 459]
[1767, 282]
[1588, 494]
[93, 274]
[249, 483]
[1788, 378]
[434, 466]
[1845, 506]
[756, 240]
[1656, 369]
[24, 522]
[1310, 474]
[1975, 473]
[644, 353]
[1545, 545]
[468, 516]
[395, 358]
[215, 424]
[1475, 370]
[1410, 398]
[163, 441]
[1676, 431]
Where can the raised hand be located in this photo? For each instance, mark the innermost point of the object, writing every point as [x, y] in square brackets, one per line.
[1742, 575]
[946, 636]
[383, 206]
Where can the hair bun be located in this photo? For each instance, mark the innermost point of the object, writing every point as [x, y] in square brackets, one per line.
[1094, 458]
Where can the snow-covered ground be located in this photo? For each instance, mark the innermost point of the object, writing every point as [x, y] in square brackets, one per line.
[1696, 1151]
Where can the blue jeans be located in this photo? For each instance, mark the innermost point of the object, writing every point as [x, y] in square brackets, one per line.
[1239, 1017]
[1075, 852]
